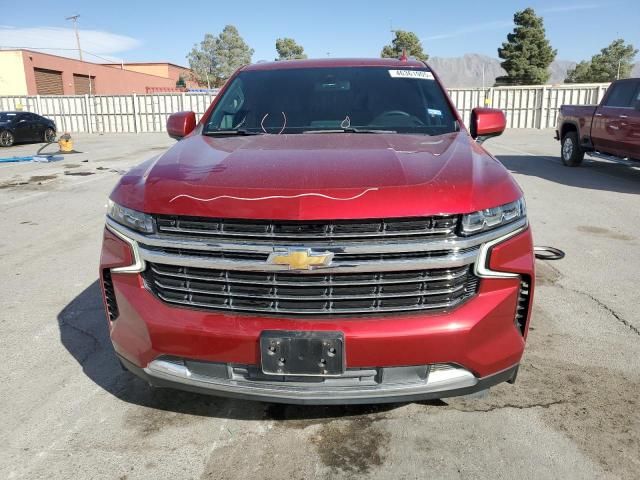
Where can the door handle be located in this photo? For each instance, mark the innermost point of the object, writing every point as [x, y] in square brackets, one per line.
[623, 116]
[598, 115]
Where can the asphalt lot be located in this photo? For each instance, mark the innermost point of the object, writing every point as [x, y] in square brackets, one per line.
[69, 411]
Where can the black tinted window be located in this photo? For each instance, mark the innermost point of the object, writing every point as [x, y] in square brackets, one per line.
[8, 116]
[312, 99]
[623, 94]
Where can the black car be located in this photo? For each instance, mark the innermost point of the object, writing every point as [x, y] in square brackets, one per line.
[25, 127]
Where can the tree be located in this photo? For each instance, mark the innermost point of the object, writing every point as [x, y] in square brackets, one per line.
[215, 60]
[527, 53]
[181, 82]
[581, 73]
[288, 49]
[613, 62]
[404, 40]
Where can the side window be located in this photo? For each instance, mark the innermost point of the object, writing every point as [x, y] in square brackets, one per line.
[622, 94]
[636, 101]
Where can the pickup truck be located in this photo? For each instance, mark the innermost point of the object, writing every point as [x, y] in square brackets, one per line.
[328, 232]
[611, 128]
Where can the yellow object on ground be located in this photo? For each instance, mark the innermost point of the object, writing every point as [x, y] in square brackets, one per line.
[65, 143]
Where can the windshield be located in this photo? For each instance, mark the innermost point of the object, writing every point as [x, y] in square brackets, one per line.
[307, 100]
[7, 116]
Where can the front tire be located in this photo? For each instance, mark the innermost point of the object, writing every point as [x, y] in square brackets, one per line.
[571, 152]
[49, 135]
[6, 138]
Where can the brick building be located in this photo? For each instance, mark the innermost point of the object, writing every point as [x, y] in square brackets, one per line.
[26, 72]
[161, 69]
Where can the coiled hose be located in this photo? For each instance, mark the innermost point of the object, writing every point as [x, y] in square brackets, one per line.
[548, 253]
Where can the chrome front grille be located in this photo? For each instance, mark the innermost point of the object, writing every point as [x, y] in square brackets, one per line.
[407, 266]
[311, 294]
[318, 231]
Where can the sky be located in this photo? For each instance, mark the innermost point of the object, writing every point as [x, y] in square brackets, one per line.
[167, 30]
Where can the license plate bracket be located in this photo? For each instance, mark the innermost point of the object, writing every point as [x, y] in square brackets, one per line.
[302, 353]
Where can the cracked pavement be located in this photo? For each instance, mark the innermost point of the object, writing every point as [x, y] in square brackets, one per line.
[69, 411]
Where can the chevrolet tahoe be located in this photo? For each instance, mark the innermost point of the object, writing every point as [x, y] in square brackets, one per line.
[328, 232]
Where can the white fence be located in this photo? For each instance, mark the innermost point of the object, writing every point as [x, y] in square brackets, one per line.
[526, 107]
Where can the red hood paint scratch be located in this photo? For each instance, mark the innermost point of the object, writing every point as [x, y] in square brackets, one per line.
[319, 176]
[271, 197]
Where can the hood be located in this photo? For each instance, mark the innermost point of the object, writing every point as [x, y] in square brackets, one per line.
[319, 176]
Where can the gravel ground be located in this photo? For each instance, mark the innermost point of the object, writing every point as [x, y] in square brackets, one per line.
[70, 412]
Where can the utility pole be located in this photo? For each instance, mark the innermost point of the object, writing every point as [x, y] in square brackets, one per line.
[618, 75]
[74, 18]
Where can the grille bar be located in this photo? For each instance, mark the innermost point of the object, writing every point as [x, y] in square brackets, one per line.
[454, 258]
[227, 276]
[328, 308]
[326, 294]
[437, 226]
[254, 247]
[338, 256]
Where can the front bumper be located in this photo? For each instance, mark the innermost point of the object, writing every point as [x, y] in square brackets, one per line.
[196, 377]
[480, 337]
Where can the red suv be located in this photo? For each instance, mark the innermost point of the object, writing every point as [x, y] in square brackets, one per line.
[328, 232]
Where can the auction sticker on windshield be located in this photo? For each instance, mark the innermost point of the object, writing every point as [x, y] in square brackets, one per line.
[419, 74]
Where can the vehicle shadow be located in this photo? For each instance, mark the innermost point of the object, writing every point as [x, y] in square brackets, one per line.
[84, 333]
[593, 174]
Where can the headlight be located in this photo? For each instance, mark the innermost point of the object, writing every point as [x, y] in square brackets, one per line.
[493, 217]
[130, 218]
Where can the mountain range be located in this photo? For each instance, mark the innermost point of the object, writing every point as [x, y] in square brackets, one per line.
[466, 71]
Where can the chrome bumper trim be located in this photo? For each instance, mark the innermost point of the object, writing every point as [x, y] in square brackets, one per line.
[439, 380]
[480, 267]
[439, 384]
[138, 262]
[450, 261]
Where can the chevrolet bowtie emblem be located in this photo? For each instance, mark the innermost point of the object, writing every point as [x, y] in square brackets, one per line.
[300, 259]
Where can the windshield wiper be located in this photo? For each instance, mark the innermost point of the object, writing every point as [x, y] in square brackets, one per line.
[349, 130]
[222, 133]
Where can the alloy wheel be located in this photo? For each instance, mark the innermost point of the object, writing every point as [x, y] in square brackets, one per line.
[567, 149]
[49, 135]
[6, 138]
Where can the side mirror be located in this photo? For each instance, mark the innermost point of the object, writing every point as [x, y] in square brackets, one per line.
[181, 124]
[487, 123]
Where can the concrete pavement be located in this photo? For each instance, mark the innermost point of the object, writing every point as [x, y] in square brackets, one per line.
[69, 411]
